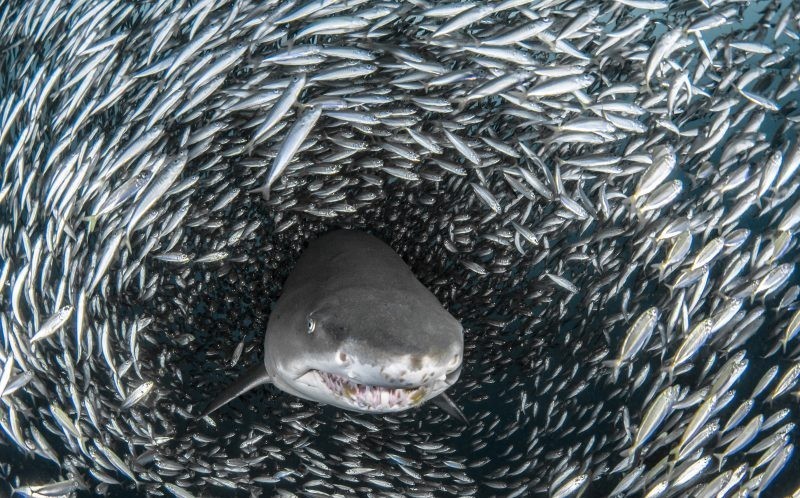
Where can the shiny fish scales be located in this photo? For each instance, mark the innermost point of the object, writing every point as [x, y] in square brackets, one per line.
[563, 116]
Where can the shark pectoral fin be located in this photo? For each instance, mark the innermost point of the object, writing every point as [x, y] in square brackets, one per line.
[253, 377]
[444, 402]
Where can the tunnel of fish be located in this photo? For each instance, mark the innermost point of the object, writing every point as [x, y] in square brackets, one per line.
[604, 193]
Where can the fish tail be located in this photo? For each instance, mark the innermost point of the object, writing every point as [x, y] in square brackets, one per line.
[92, 219]
[475, 40]
[671, 371]
[264, 191]
[659, 267]
[128, 242]
[614, 365]
[671, 463]
[632, 202]
[721, 458]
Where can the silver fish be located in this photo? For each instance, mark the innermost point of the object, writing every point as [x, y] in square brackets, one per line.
[289, 147]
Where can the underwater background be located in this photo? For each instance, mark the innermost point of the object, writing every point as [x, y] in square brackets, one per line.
[549, 225]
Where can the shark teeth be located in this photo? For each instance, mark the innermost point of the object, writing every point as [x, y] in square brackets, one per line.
[371, 397]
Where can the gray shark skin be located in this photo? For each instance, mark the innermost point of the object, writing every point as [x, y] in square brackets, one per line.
[355, 329]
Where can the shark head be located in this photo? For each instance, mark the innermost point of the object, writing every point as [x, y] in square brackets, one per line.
[368, 349]
[355, 329]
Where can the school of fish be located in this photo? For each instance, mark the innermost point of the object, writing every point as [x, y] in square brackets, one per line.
[604, 193]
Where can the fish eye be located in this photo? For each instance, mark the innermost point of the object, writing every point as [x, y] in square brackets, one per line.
[311, 325]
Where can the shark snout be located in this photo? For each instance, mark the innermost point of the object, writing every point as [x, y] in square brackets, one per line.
[402, 371]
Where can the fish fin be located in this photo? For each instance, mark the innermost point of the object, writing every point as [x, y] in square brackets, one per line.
[447, 405]
[661, 267]
[656, 266]
[670, 467]
[614, 365]
[264, 191]
[773, 351]
[632, 202]
[92, 220]
[252, 378]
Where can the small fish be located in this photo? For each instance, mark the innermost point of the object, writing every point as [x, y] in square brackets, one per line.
[786, 382]
[636, 338]
[463, 19]
[279, 108]
[137, 395]
[289, 147]
[744, 438]
[107, 255]
[156, 190]
[463, 148]
[53, 324]
[791, 330]
[708, 252]
[487, 197]
[128, 189]
[560, 86]
[691, 344]
[655, 414]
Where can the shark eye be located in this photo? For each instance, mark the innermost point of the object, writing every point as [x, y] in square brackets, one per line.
[311, 325]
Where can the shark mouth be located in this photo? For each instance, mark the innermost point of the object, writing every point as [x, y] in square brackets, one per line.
[367, 397]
